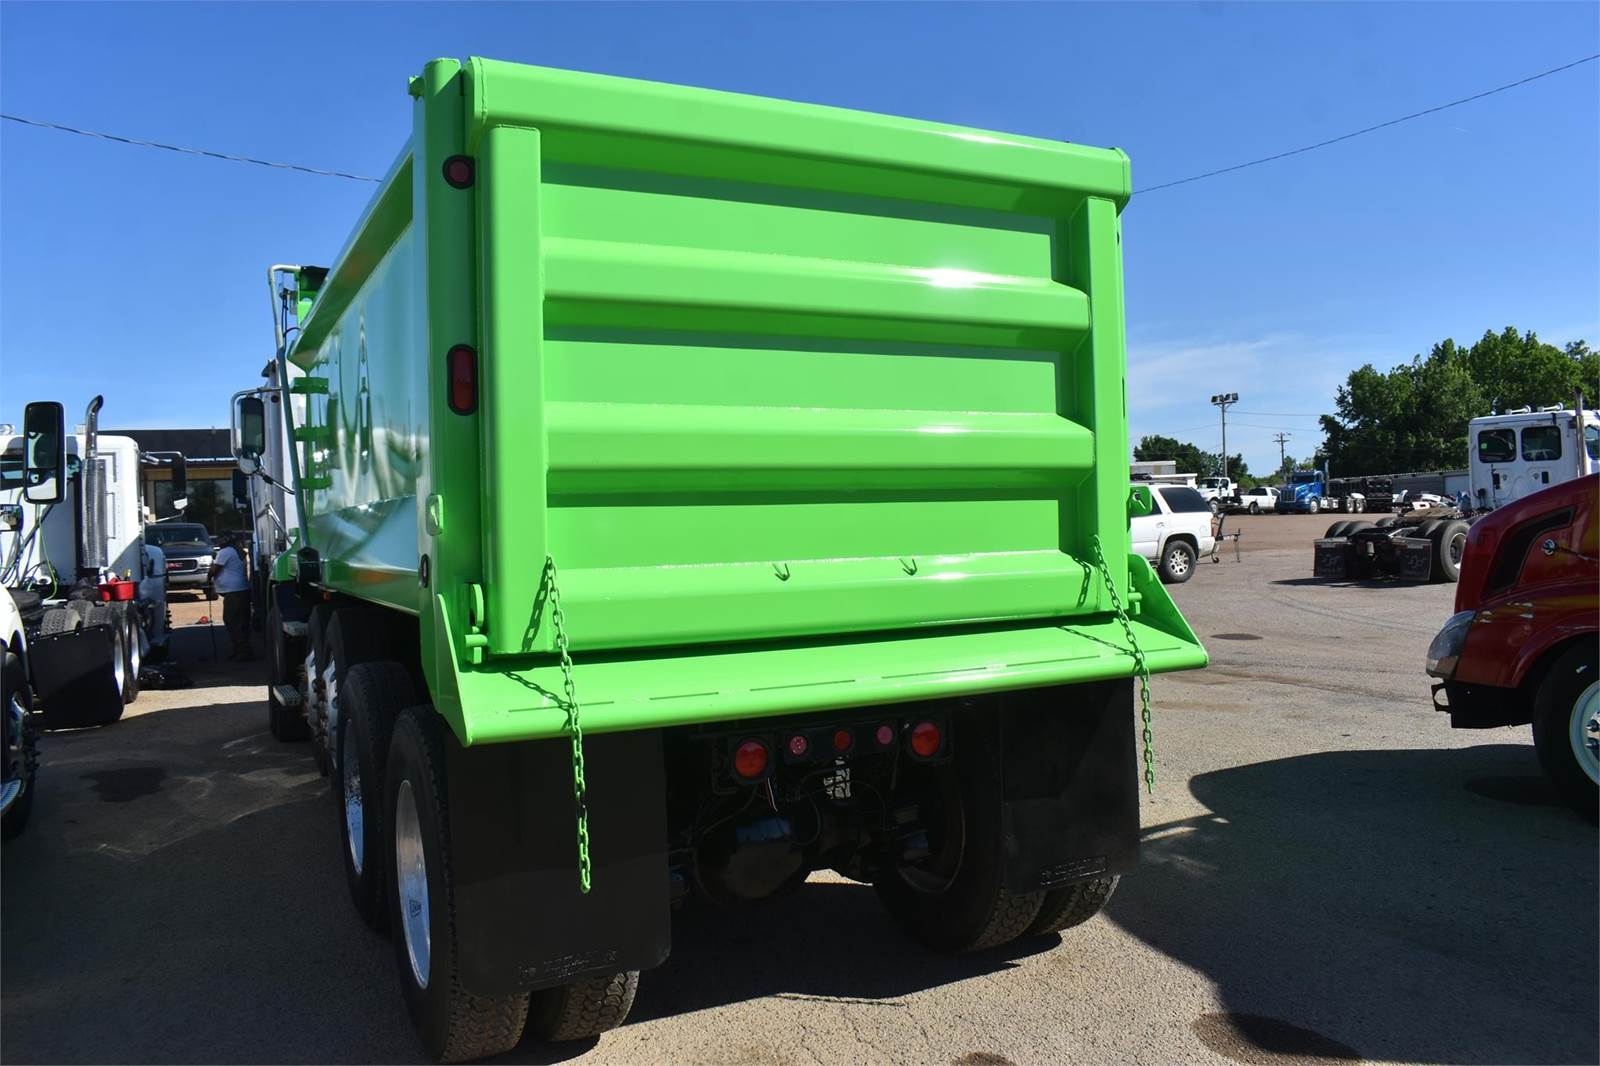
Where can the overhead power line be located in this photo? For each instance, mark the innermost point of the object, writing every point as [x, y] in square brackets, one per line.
[42, 124]
[1371, 129]
[207, 153]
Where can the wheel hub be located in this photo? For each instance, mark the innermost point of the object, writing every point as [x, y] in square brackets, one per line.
[411, 876]
[1585, 731]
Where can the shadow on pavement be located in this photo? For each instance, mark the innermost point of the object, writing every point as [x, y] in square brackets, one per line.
[1342, 583]
[180, 897]
[1468, 935]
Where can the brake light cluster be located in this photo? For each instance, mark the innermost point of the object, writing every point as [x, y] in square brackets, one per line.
[754, 758]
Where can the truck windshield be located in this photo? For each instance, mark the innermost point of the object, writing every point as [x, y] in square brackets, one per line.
[1304, 477]
[176, 533]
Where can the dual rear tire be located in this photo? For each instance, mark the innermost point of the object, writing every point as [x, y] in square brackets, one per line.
[454, 1023]
[956, 899]
[388, 772]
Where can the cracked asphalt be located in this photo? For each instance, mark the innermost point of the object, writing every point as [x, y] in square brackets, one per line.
[1329, 873]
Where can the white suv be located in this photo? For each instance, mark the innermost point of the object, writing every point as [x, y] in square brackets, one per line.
[1176, 533]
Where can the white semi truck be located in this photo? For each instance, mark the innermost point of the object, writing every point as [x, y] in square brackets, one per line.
[1523, 451]
[71, 543]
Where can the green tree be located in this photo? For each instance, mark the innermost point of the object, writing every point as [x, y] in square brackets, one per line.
[1190, 458]
[1415, 416]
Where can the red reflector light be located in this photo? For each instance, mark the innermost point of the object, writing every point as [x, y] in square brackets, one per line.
[463, 365]
[885, 736]
[842, 740]
[925, 739]
[458, 171]
[750, 759]
[798, 745]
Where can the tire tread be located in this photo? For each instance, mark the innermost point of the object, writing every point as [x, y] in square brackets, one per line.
[585, 1008]
[1072, 905]
[477, 1026]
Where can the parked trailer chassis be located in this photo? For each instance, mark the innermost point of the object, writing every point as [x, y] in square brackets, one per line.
[1410, 548]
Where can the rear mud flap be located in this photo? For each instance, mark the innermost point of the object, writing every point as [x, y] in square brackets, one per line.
[1071, 784]
[1415, 558]
[521, 921]
[1332, 557]
[74, 678]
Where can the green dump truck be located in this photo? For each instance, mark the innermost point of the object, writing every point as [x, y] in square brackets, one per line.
[692, 491]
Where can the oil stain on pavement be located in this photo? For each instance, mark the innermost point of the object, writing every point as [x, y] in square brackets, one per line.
[127, 783]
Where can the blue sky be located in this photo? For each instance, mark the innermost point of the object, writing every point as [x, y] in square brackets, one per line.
[139, 273]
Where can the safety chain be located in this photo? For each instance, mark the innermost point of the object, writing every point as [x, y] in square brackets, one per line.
[574, 727]
[1140, 668]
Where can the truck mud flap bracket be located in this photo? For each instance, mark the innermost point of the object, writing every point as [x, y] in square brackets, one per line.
[1071, 784]
[74, 678]
[521, 921]
[1332, 557]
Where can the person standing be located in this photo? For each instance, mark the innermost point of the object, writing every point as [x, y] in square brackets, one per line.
[153, 594]
[228, 577]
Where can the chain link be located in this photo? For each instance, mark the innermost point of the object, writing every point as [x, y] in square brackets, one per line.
[1140, 668]
[575, 727]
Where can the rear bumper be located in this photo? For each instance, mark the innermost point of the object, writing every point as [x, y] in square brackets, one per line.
[509, 700]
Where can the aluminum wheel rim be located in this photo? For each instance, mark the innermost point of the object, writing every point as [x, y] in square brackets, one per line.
[1178, 561]
[411, 876]
[119, 658]
[135, 652]
[330, 708]
[1458, 548]
[353, 816]
[1584, 731]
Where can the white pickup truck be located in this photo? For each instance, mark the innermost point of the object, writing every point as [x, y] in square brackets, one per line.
[1263, 499]
[1176, 533]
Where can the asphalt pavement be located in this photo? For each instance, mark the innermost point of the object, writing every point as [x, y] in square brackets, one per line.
[1330, 873]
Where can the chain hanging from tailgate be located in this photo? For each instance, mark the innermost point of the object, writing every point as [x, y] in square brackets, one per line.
[1140, 668]
[575, 727]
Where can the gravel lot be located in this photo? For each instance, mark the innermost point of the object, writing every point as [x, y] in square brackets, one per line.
[1329, 873]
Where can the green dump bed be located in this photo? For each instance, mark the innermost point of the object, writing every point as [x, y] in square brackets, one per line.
[809, 407]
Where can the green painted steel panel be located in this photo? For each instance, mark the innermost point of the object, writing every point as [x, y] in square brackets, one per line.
[794, 396]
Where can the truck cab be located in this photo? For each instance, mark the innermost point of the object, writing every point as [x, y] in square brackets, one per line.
[1304, 493]
[1524, 451]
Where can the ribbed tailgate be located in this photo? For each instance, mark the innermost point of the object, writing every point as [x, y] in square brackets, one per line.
[776, 410]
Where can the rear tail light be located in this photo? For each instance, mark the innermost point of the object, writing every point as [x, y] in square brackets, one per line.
[926, 740]
[843, 740]
[750, 760]
[463, 366]
[884, 736]
[799, 745]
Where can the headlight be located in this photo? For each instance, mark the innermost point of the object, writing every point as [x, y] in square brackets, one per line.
[1446, 647]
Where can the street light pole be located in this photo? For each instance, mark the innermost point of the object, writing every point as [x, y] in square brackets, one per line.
[1223, 400]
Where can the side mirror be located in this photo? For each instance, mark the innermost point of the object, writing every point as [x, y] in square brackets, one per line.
[252, 421]
[44, 460]
[241, 490]
[1140, 502]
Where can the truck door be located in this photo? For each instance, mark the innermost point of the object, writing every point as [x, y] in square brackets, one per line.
[1544, 458]
[1494, 455]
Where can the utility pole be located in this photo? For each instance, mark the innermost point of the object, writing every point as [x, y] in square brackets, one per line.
[1281, 438]
[1223, 400]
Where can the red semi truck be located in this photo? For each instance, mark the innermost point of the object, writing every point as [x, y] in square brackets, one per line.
[1522, 646]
